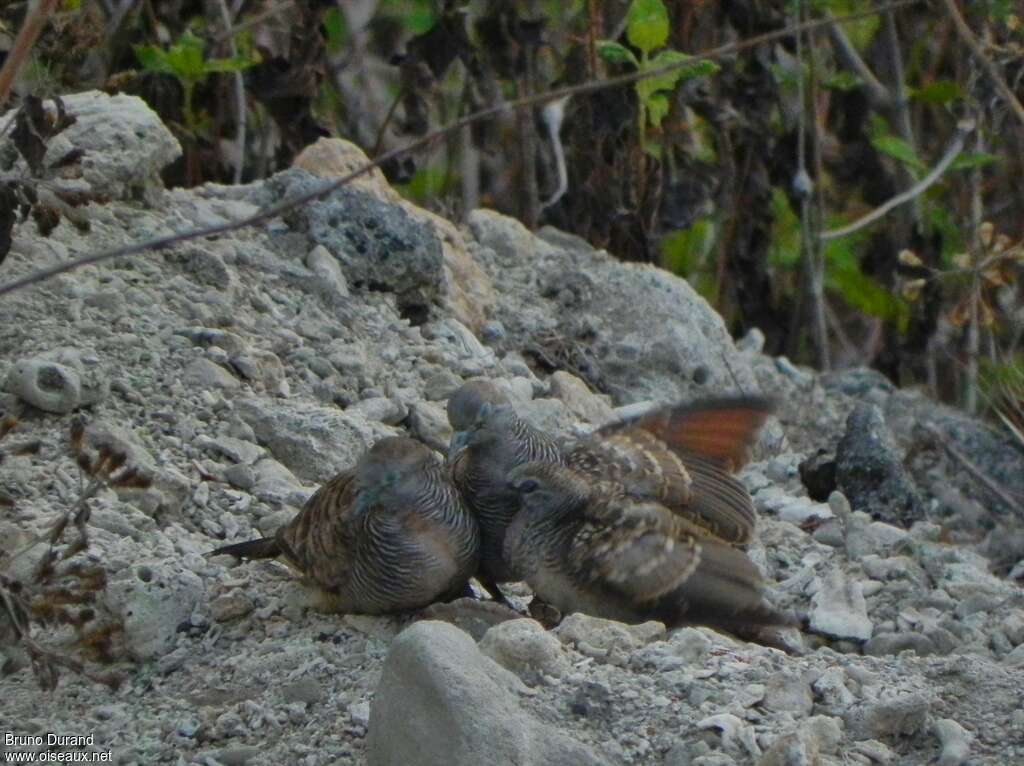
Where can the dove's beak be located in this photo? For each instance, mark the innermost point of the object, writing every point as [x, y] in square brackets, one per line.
[458, 444]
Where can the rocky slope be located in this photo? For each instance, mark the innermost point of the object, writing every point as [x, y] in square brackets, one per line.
[241, 371]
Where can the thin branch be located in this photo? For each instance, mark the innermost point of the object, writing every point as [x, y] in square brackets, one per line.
[273, 211]
[878, 94]
[952, 151]
[240, 109]
[35, 19]
[117, 17]
[987, 64]
[974, 470]
[901, 108]
[255, 19]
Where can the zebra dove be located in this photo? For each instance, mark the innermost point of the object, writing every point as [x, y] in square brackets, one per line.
[489, 441]
[388, 535]
[586, 546]
[679, 456]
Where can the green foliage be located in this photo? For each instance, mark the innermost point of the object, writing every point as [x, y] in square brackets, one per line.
[185, 62]
[687, 252]
[647, 25]
[896, 147]
[938, 92]
[785, 247]
[336, 29]
[416, 16]
[647, 29]
[975, 160]
[844, 277]
[426, 184]
[842, 81]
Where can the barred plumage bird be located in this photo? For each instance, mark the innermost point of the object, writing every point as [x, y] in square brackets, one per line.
[679, 456]
[388, 535]
[489, 441]
[590, 547]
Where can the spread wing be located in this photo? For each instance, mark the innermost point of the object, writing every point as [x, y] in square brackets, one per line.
[721, 430]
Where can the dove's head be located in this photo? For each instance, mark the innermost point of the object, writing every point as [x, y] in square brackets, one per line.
[473, 402]
[388, 463]
[548, 487]
[478, 412]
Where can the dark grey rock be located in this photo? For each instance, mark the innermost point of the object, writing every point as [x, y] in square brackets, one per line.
[378, 245]
[869, 471]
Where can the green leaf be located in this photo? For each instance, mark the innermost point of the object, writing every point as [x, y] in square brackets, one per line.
[938, 92]
[842, 81]
[185, 58]
[235, 64]
[336, 29]
[898, 148]
[784, 250]
[657, 109]
[152, 58]
[686, 253]
[647, 87]
[647, 24]
[614, 53]
[977, 160]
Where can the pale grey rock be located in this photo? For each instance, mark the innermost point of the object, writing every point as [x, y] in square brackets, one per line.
[314, 442]
[606, 640]
[558, 290]
[263, 368]
[380, 409]
[441, 384]
[440, 701]
[428, 422]
[582, 403]
[525, 648]
[230, 606]
[803, 511]
[894, 643]
[507, 237]
[44, 384]
[206, 266]
[325, 266]
[1015, 659]
[738, 738]
[202, 373]
[788, 693]
[885, 714]
[274, 483]
[954, 742]
[124, 144]
[152, 598]
[838, 608]
[234, 449]
[359, 713]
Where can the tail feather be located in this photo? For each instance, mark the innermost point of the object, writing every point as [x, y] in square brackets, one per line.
[261, 548]
[720, 500]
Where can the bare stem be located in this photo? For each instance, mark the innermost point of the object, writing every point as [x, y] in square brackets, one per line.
[35, 19]
[987, 64]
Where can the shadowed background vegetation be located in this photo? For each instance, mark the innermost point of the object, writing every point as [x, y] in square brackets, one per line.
[746, 172]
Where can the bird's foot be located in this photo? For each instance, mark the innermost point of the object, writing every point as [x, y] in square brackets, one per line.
[544, 613]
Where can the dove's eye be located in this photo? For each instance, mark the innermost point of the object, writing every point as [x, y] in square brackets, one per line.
[527, 486]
